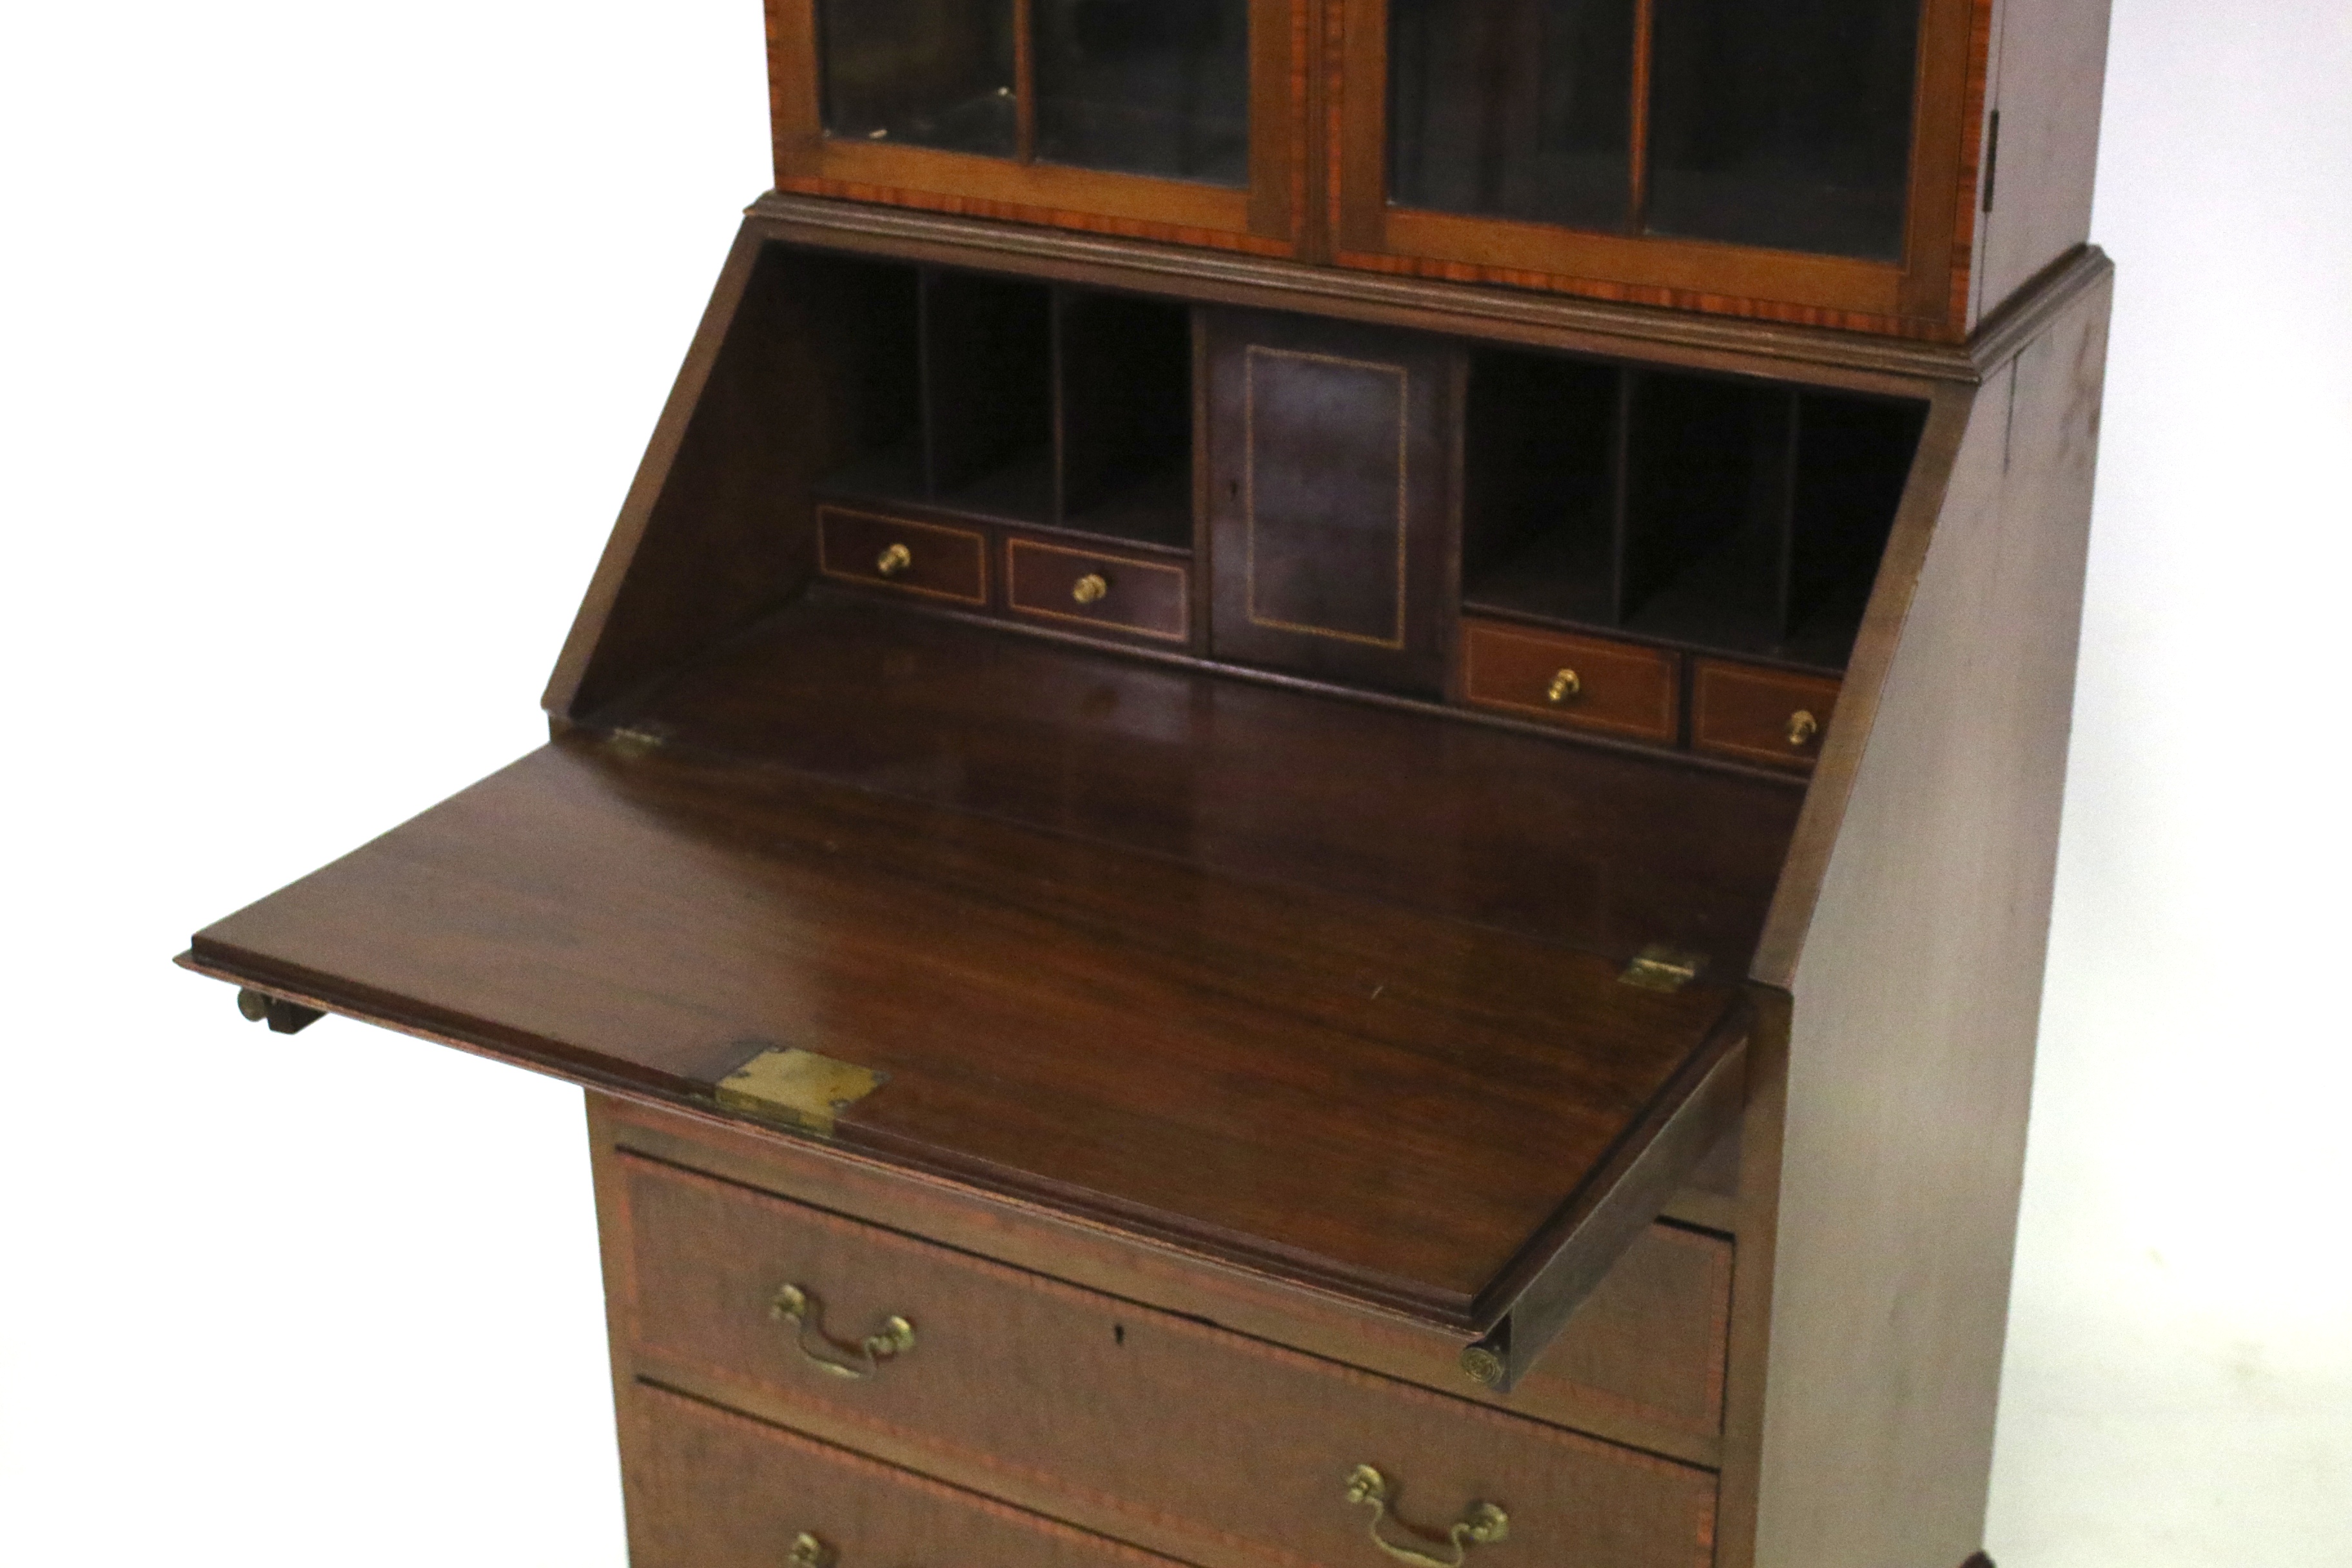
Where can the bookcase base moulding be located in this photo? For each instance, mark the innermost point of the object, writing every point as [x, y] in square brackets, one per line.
[1224, 913]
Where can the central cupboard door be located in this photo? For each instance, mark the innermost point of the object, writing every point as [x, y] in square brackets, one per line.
[1177, 120]
[1331, 456]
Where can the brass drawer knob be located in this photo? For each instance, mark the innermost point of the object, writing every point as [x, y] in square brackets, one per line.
[1480, 1524]
[808, 1552]
[796, 1305]
[1802, 728]
[894, 561]
[1566, 687]
[1091, 589]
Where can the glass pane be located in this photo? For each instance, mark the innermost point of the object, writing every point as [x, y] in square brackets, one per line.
[1512, 108]
[1783, 123]
[1145, 86]
[933, 73]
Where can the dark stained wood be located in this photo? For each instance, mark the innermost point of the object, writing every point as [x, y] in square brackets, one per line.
[1330, 499]
[1620, 689]
[1740, 711]
[711, 1488]
[1141, 597]
[1917, 992]
[1128, 1035]
[1608, 851]
[1248, 1048]
[1129, 1421]
[707, 536]
[940, 561]
[1807, 355]
[1641, 1364]
[1549, 1283]
[2047, 75]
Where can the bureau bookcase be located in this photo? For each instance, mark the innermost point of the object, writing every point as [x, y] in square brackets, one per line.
[1306, 815]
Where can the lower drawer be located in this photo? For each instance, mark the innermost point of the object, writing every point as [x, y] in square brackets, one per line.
[1186, 1438]
[708, 1488]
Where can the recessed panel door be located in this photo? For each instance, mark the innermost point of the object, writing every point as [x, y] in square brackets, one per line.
[1330, 499]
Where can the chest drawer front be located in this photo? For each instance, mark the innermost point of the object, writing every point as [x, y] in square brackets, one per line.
[928, 560]
[1759, 715]
[1098, 590]
[1109, 1412]
[708, 1488]
[1582, 683]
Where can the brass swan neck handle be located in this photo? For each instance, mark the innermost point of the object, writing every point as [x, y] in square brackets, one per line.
[1480, 1524]
[799, 1306]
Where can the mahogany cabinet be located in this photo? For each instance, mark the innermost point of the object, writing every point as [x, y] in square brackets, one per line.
[1222, 910]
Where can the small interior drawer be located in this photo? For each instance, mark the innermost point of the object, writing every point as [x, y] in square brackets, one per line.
[709, 1489]
[1585, 683]
[1158, 1428]
[1100, 589]
[1759, 715]
[929, 559]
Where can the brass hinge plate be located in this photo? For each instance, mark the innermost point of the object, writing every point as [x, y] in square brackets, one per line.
[798, 1088]
[1662, 968]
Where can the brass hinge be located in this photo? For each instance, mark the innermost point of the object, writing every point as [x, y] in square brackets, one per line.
[798, 1088]
[1662, 968]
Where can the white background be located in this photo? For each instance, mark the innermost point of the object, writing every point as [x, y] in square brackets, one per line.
[330, 337]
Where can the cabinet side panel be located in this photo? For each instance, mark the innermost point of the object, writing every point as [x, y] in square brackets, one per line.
[2049, 69]
[1917, 1003]
[779, 387]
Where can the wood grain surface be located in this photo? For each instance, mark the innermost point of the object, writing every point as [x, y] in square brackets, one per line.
[1117, 1417]
[1331, 1088]
[1641, 1364]
[1620, 687]
[711, 1488]
[1605, 850]
[1917, 998]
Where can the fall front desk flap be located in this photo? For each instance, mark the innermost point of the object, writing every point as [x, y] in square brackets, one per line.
[1198, 1011]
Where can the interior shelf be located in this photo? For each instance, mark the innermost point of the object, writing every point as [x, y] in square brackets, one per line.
[1699, 512]
[1017, 401]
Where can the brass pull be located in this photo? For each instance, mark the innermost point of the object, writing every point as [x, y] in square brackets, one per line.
[1480, 1524]
[1802, 728]
[800, 1308]
[894, 561]
[1565, 688]
[1090, 588]
[808, 1552]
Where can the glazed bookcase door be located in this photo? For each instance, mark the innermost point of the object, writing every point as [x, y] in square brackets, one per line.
[1811, 161]
[1175, 120]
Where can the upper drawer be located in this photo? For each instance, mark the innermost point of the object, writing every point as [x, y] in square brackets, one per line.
[1585, 683]
[1096, 590]
[1183, 123]
[1759, 715]
[928, 559]
[1118, 1417]
[708, 1488]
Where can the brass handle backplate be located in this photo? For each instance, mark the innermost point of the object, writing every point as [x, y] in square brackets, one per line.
[1480, 1524]
[808, 1552]
[1566, 687]
[800, 1308]
[1091, 589]
[894, 561]
[1802, 728]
